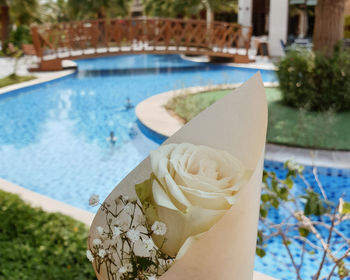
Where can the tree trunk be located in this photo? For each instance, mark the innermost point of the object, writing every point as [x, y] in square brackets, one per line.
[329, 25]
[5, 21]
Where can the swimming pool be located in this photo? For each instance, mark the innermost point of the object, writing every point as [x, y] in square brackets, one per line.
[53, 137]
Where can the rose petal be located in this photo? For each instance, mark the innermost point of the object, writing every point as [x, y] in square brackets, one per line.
[207, 200]
[160, 197]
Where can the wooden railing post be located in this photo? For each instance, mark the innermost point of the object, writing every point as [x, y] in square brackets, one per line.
[37, 42]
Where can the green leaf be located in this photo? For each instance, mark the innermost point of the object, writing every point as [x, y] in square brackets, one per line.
[144, 190]
[287, 242]
[263, 212]
[289, 182]
[283, 193]
[260, 252]
[274, 185]
[303, 232]
[274, 202]
[265, 197]
[260, 239]
[346, 208]
[314, 204]
[144, 193]
[342, 270]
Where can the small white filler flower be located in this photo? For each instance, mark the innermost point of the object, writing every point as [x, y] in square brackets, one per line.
[94, 200]
[148, 243]
[122, 270]
[159, 228]
[152, 277]
[100, 230]
[116, 232]
[96, 242]
[89, 255]
[128, 209]
[133, 235]
[125, 268]
[102, 253]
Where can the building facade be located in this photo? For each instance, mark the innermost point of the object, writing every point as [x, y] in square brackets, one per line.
[276, 19]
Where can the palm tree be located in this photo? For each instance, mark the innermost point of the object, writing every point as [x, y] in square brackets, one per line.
[24, 12]
[5, 22]
[329, 25]
[187, 8]
[21, 13]
[87, 9]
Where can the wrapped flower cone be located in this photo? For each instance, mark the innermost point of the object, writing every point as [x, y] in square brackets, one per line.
[190, 210]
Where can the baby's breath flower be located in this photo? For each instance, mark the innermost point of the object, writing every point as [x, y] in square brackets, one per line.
[101, 253]
[148, 243]
[159, 228]
[116, 232]
[100, 230]
[133, 235]
[125, 268]
[94, 200]
[122, 270]
[89, 255]
[96, 242]
[128, 209]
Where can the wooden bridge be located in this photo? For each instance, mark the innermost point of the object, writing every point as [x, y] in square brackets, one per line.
[83, 39]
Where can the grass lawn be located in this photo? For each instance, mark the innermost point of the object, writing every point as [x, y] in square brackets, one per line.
[287, 125]
[39, 245]
[14, 79]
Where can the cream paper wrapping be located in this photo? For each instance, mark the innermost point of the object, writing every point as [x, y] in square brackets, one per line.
[237, 123]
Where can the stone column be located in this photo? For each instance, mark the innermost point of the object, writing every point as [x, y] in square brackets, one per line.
[245, 11]
[278, 26]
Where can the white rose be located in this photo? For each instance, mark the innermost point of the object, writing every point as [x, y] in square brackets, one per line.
[190, 189]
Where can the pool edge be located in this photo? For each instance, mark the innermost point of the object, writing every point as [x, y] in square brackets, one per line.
[47, 204]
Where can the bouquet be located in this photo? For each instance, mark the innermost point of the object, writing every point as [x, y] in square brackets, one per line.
[190, 210]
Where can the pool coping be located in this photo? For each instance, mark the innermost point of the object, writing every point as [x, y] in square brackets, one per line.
[40, 79]
[47, 204]
[152, 114]
[261, 63]
[158, 124]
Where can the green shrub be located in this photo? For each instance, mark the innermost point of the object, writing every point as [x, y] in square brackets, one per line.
[295, 77]
[39, 245]
[315, 82]
[21, 36]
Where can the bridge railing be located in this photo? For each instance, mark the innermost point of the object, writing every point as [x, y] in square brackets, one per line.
[94, 37]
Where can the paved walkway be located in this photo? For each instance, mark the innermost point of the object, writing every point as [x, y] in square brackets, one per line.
[260, 62]
[46, 203]
[7, 68]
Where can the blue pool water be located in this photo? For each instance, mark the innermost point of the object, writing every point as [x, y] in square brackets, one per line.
[336, 183]
[53, 137]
